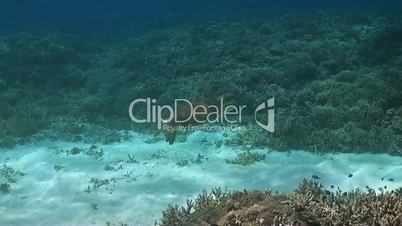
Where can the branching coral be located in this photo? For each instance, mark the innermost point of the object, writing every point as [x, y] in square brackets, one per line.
[174, 216]
[314, 205]
[247, 158]
[309, 204]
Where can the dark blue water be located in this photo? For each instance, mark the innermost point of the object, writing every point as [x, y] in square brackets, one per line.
[140, 15]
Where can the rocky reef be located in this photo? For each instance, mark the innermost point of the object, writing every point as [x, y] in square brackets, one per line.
[336, 78]
[309, 204]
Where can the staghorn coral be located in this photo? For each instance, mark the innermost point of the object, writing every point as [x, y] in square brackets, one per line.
[314, 205]
[309, 204]
[247, 158]
[176, 216]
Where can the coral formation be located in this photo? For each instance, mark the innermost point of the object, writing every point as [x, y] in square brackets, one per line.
[5, 188]
[9, 176]
[92, 152]
[336, 79]
[247, 158]
[309, 204]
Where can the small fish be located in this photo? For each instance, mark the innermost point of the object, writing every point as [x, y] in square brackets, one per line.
[382, 178]
[94, 206]
[367, 187]
[391, 179]
[315, 177]
[332, 186]
[350, 175]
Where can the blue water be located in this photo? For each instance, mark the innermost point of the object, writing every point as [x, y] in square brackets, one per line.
[139, 15]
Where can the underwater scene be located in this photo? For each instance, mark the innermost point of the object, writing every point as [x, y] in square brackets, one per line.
[200, 113]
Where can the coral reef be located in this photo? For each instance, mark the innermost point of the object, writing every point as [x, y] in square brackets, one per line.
[309, 204]
[336, 79]
[247, 158]
[9, 176]
[5, 188]
[93, 152]
[314, 205]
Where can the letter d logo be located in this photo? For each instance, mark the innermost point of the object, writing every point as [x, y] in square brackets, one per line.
[270, 127]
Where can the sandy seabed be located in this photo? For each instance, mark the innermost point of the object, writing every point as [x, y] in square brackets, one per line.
[60, 188]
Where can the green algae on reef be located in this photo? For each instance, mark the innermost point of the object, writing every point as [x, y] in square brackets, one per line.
[337, 79]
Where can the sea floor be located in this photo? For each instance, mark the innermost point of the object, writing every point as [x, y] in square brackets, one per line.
[58, 185]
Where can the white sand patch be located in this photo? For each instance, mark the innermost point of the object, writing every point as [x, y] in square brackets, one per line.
[136, 193]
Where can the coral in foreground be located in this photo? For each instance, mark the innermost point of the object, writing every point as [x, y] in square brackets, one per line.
[309, 204]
